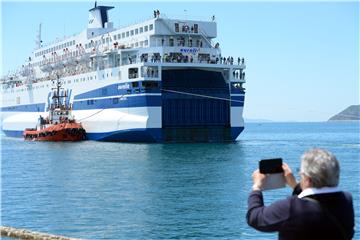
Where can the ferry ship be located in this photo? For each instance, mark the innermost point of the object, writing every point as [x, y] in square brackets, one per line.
[160, 80]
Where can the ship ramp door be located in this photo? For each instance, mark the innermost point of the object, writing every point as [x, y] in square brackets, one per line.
[195, 106]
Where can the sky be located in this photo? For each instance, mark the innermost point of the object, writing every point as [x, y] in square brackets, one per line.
[302, 58]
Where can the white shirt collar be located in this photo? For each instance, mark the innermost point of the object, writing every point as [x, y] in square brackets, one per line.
[311, 191]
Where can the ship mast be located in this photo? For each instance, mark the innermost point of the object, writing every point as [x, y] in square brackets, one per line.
[57, 96]
[38, 38]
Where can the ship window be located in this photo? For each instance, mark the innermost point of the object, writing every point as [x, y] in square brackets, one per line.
[90, 102]
[136, 31]
[115, 100]
[104, 91]
[151, 27]
[171, 42]
[114, 37]
[119, 36]
[176, 27]
[196, 28]
[103, 40]
[133, 73]
[123, 35]
[132, 32]
[73, 42]
[141, 29]
[136, 44]
[150, 84]
[127, 33]
[146, 28]
[135, 84]
[146, 42]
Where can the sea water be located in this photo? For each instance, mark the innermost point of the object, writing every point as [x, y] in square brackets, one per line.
[101, 190]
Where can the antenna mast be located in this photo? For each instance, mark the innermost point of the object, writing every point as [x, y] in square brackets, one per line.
[38, 38]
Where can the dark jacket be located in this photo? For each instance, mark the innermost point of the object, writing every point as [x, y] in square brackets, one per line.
[301, 218]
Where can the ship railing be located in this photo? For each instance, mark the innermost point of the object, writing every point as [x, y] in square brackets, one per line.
[187, 59]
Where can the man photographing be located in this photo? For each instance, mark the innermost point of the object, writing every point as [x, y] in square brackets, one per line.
[318, 209]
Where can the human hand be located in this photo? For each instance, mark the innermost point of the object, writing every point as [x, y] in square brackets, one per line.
[258, 180]
[289, 176]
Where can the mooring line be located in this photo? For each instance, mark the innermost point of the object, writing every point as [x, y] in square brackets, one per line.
[200, 95]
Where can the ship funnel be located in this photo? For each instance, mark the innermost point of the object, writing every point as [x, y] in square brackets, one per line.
[98, 16]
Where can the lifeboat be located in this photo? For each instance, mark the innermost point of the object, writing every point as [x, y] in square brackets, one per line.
[46, 67]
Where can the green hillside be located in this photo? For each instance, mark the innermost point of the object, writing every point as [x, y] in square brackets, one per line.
[351, 113]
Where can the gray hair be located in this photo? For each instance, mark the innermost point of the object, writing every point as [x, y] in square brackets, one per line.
[321, 166]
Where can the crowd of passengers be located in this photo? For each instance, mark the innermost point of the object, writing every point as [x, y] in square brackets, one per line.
[180, 58]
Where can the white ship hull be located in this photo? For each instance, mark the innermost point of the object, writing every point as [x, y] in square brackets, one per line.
[139, 123]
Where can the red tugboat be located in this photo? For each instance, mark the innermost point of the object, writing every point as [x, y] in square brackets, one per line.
[60, 124]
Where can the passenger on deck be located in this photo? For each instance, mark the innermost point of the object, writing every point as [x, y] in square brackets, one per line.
[318, 209]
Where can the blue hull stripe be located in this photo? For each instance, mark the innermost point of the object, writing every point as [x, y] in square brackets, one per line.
[238, 101]
[37, 107]
[130, 135]
[116, 102]
[140, 101]
[114, 90]
[13, 133]
[124, 102]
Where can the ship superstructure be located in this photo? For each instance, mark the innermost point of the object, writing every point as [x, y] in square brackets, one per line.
[159, 80]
